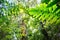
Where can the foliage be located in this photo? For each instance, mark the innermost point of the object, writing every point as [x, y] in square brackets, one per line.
[43, 13]
[21, 19]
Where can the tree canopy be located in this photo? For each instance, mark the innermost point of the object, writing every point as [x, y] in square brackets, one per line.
[29, 19]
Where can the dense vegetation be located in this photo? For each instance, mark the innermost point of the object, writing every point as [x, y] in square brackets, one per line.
[29, 19]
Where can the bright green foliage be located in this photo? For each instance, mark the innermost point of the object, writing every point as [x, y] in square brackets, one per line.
[43, 13]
